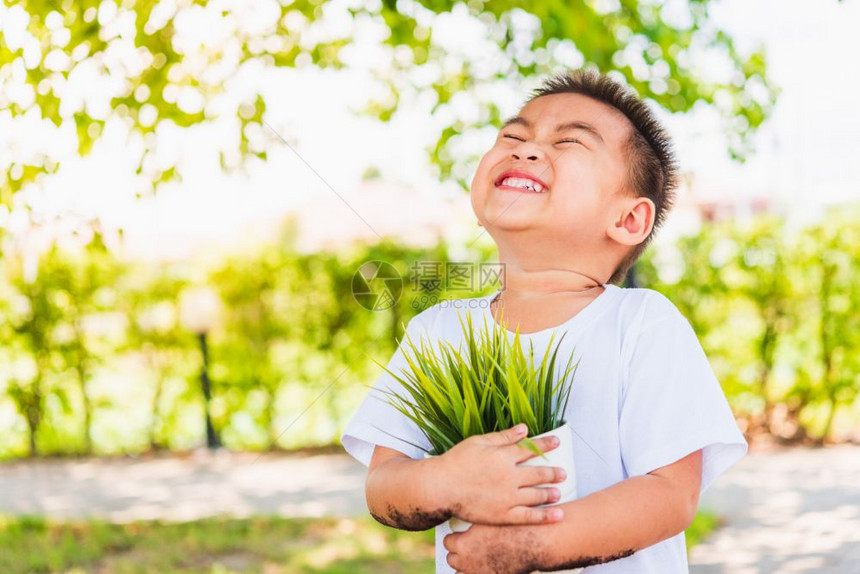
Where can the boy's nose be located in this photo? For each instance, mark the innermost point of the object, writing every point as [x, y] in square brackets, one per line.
[528, 150]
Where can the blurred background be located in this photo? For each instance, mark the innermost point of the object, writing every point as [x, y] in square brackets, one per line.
[190, 193]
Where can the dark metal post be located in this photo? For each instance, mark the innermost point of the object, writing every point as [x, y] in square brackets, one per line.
[212, 441]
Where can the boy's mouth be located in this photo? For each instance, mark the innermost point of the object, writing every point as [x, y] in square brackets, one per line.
[521, 181]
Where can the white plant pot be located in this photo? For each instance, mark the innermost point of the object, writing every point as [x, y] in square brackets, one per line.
[560, 456]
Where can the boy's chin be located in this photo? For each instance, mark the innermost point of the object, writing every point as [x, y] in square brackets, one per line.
[501, 227]
[508, 217]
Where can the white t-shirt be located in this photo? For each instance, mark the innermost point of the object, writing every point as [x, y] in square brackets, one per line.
[644, 396]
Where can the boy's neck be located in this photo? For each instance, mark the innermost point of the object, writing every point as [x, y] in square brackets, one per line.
[535, 268]
[542, 286]
[538, 282]
[534, 299]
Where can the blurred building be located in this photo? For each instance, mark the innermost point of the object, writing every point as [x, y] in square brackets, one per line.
[710, 201]
[384, 208]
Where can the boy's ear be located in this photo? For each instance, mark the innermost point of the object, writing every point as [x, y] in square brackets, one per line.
[634, 221]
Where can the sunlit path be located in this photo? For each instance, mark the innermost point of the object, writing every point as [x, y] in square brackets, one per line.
[789, 511]
[173, 488]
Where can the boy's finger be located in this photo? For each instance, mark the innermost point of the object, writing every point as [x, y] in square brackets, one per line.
[450, 540]
[536, 496]
[538, 475]
[509, 436]
[545, 444]
[526, 515]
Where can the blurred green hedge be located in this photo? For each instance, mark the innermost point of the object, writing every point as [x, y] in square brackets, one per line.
[96, 358]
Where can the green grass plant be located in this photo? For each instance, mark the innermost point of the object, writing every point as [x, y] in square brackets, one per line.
[218, 545]
[223, 545]
[452, 393]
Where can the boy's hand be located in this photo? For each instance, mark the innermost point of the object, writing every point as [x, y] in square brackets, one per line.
[484, 485]
[486, 549]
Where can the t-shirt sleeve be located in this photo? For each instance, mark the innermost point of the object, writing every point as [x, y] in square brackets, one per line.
[376, 421]
[672, 404]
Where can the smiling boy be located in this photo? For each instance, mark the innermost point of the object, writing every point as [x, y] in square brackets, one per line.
[571, 192]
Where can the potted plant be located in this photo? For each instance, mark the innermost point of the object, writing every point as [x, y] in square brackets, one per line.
[492, 385]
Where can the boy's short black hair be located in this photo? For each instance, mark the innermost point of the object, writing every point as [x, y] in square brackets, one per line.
[653, 169]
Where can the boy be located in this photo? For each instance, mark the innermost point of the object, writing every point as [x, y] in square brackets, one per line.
[571, 192]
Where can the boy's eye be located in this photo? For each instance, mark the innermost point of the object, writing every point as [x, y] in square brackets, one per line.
[567, 140]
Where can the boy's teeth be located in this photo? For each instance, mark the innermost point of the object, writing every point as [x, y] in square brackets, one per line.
[523, 183]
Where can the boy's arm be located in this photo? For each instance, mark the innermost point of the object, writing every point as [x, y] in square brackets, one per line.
[607, 525]
[417, 494]
[398, 493]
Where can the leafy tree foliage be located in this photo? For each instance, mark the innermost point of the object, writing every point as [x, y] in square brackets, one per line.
[69, 67]
[777, 312]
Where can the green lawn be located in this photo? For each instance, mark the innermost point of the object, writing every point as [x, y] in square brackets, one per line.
[265, 545]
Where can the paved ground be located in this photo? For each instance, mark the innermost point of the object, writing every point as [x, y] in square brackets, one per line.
[791, 511]
[786, 511]
[179, 489]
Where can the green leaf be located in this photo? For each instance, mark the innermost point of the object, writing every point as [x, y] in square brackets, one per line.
[530, 444]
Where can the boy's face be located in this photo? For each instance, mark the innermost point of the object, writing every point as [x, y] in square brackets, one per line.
[582, 173]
